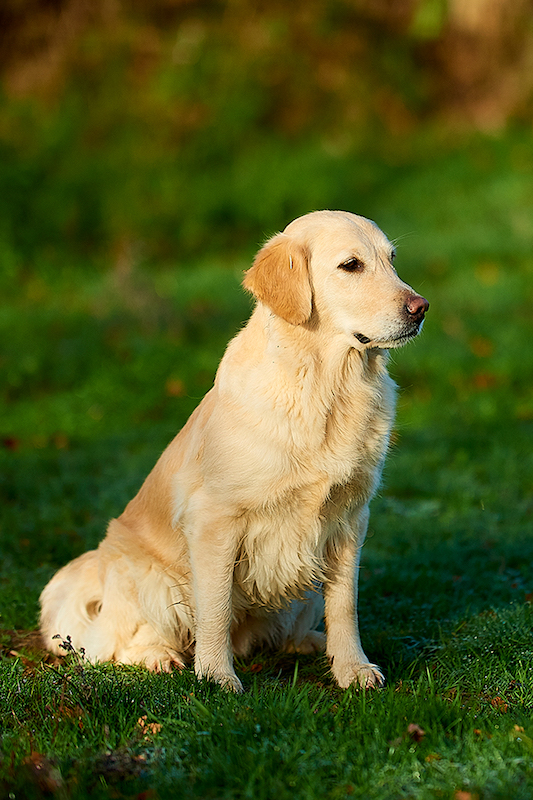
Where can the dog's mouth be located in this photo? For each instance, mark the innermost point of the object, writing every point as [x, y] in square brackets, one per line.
[394, 341]
[362, 339]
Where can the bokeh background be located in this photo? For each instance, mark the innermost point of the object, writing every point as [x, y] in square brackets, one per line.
[148, 148]
[187, 127]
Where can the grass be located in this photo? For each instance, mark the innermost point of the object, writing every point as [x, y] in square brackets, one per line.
[100, 369]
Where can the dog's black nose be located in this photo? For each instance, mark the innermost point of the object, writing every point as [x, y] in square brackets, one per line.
[416, 306]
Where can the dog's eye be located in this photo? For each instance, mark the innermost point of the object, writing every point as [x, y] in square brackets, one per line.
[352, 265]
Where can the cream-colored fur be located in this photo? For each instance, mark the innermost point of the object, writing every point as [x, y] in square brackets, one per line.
[253, 518]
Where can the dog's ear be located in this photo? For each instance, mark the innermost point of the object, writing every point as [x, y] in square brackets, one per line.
[279, 277]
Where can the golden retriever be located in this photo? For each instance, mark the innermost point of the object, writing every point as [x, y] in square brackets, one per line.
[251, 523]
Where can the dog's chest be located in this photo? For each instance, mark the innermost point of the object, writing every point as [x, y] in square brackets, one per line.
[326, 477]
[280, 553]
[341, 439]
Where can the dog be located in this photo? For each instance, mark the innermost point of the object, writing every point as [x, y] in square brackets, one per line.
[249, 528]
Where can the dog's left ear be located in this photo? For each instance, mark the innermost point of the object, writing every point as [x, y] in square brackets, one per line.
[279, 277]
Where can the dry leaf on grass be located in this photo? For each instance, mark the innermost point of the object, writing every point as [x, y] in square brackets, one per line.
[415, 732]
[44, 773]
[148, 728]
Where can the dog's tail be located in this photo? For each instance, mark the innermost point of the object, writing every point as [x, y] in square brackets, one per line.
[69, 603]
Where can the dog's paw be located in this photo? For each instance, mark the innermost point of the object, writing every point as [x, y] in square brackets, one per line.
[231, 682]
[366, 676]
[228, 680]
[163, 660]
[313, 642]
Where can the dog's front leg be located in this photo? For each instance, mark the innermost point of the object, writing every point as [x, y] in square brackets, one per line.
[349, 663]
[212, 551]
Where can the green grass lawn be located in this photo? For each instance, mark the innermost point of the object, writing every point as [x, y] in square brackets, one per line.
[100, 369]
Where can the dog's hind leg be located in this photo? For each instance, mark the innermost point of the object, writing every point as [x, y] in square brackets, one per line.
[303, 617]
[292, 628]
[100, 613]
[70, 602]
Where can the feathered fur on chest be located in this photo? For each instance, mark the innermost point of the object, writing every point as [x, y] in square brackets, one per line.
[311, 455]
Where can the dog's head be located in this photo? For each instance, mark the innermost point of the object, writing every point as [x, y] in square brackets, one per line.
[335, 268]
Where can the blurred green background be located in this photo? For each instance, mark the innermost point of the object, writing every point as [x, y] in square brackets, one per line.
[146, 151]
[165, 130]
[148, 141]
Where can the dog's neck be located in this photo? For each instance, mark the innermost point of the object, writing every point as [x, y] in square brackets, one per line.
[317, 394]
[332, 354]
[290, 363]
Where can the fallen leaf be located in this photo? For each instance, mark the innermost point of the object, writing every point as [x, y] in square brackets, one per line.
[485, 380]
[481, 346]
[23, 660]
[500, 704]
[415, 732]
[175, 388]
[11, 443]
[148, 728]
[519, 735]
[45, 774]
[61, 441]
